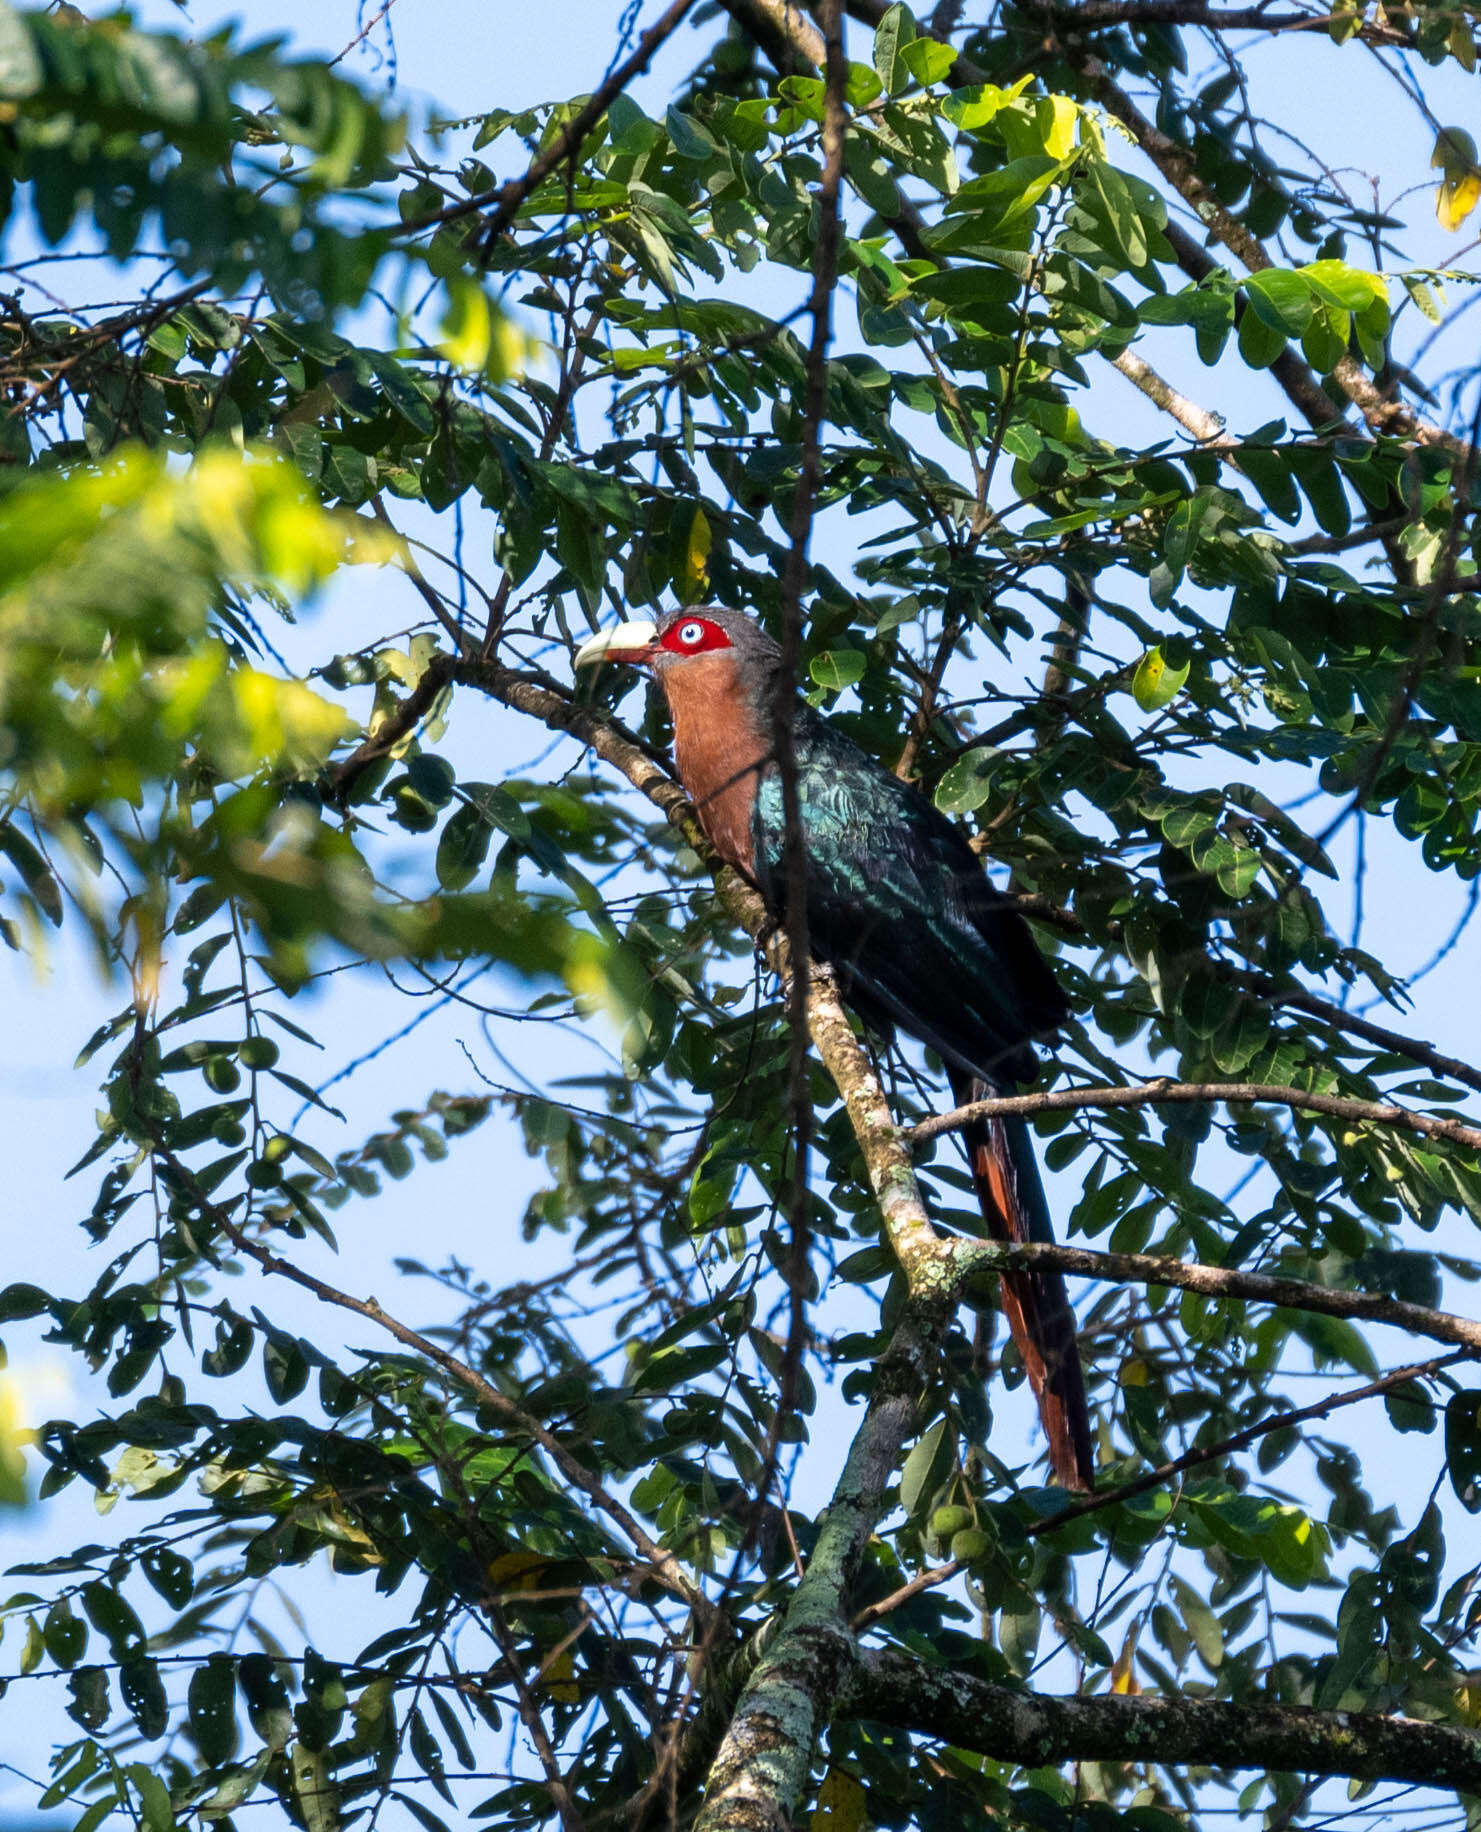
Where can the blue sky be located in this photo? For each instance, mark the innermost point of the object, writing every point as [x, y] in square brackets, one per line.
[470, 55]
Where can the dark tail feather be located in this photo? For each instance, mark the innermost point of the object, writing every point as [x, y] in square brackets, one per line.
[1006, 1173]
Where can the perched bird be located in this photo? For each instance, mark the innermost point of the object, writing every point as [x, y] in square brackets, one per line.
[900, 908]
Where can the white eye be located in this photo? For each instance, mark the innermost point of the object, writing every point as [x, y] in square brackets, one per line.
[691, 634]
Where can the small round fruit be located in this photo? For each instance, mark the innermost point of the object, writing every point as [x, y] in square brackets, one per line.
[947, 1521]
[258, 1053]
[970, 1545]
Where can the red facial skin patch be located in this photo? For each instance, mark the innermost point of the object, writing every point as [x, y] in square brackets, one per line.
[694, 636]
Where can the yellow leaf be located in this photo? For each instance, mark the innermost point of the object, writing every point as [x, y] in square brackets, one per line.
[476, 334]
[1123, 1678]
[285, 719]
[1460, 189]
[1456, 199]
[518, 1570]
[13, 1437]
[557, 1678]
[1056, 116]
[1455, 151]
[841, 1804]
[696, 568]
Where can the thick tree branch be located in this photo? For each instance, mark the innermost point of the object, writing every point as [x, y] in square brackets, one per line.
[762, 1766]
[1185, 1093]
[765, 1756]
[1101, 14]
[982, 1262]
[783, 32]
[1203, 425]
[399, 724]
[1033, 1730]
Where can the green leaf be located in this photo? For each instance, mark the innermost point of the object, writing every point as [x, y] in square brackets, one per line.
[1352, 288]
[88, 1705]
[170, 1573]
[212, 1709]
[463, 847]
[926, 59]
[1201, 1622]
[1321, 481]
[1119, 210]
[895, 29]
[836, 669]
[313, 1788]
[1260, 343]
[1410, 1408]
[1281, 299]
[40, 880]
[154, 1798]
[143, 1692]
[1270, 473]
[21, 72]
[285, 1367]
[20, 1301]
[1463, 1448]
[968, 783]
[926, 1469]
[112, 1617]
[65, 1634]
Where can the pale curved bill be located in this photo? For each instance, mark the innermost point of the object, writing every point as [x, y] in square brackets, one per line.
[623, 642]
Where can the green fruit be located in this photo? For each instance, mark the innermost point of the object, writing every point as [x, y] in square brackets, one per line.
[264, 1176]
[971, 1545]
[258, 1053]
[228, 1132]
[222, 1075]
[947, 1521]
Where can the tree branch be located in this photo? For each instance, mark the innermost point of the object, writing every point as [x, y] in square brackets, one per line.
[1382, 413]
[1184, 1093]
[762, 1766]
[1034, 1730]
[783, 32]
[1241, 1440]
[1266, 986]
[1105, 13]
[1204, 426]
[981, 1263]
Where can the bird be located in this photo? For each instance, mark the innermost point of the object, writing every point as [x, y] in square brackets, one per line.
[899, 906]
